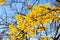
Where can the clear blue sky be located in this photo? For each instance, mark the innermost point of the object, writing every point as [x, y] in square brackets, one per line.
[11, 11]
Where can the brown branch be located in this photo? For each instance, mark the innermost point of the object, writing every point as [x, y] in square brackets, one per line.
[56, 38]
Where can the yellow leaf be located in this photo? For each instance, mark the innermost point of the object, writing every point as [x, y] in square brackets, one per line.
[47, 5]
[45, 38]
[2, 2]
[12, 38]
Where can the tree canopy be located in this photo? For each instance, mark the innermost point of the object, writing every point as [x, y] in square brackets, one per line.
[36, 21]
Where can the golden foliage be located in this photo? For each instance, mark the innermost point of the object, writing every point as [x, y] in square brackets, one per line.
[45, 38]
[2, 2]
[39, 15]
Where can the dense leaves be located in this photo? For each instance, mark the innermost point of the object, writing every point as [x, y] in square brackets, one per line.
[30, 24]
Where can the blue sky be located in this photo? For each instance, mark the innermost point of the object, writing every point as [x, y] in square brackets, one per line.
[12, 10]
